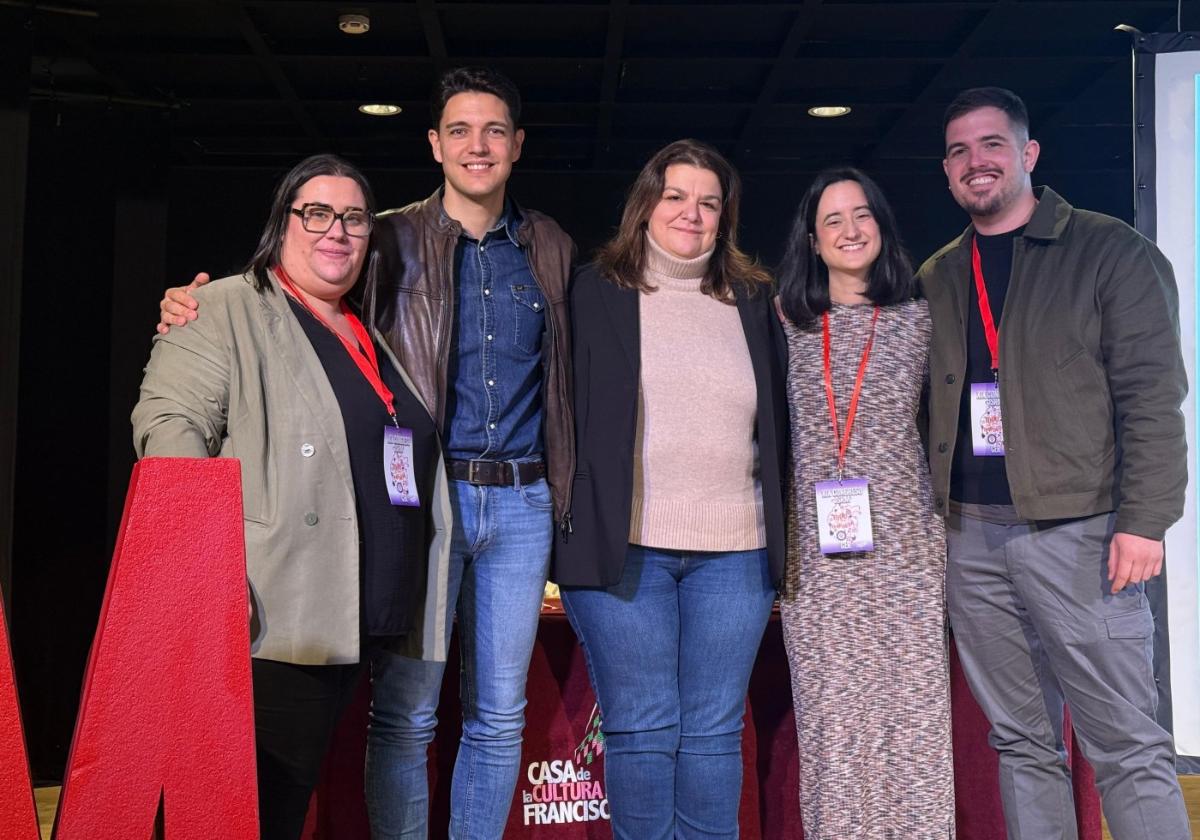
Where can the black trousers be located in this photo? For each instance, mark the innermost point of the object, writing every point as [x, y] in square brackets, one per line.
[296, 708]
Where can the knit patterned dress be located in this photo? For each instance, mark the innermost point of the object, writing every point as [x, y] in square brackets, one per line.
[866, 632]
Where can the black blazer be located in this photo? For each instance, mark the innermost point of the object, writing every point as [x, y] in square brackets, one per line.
[607, 363]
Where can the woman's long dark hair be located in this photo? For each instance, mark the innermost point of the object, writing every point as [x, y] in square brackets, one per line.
[623, 258]
[270, 243]
[803, 277]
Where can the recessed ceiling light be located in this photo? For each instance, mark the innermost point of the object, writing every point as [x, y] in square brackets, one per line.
[380, 109]
[829, 110]
[354, 24]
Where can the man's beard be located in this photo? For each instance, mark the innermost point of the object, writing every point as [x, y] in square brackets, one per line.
[990, 205]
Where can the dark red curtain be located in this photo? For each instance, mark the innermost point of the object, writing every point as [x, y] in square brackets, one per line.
[555, 802]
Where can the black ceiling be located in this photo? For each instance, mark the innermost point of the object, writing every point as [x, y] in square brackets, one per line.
[605, 83]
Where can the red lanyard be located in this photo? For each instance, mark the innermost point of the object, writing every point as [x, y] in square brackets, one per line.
[985, 309]
[364, 358]
[843, 442]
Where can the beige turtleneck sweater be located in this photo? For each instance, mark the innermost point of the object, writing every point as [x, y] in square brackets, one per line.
[695, 461]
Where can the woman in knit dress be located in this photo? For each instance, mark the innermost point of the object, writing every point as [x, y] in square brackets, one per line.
[864, 626]
[668, 571]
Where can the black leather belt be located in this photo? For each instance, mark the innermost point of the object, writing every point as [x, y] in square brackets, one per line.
[496, 473]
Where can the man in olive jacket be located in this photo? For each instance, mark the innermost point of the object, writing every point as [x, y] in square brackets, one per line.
[1058, 456]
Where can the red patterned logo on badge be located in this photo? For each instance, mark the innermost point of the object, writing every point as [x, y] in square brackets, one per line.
[843, 523]
[399, 472]
[991, 428]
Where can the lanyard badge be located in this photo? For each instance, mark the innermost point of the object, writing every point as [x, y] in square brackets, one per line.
[987, 427]
[398, 466]
[844, 505]
[399, 470]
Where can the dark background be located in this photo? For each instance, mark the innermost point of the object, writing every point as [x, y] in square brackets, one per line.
[140, 141]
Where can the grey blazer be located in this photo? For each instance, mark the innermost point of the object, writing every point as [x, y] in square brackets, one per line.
[243, 381]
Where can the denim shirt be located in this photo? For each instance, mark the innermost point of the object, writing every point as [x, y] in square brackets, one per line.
[494, 402]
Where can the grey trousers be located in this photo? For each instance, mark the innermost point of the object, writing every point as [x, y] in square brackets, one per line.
[1035, 624]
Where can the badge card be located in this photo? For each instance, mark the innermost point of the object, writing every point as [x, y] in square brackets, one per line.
[987, 430]
[844, 516]
[399, 469]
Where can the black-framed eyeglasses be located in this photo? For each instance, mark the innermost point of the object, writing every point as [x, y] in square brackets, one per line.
[319, 218]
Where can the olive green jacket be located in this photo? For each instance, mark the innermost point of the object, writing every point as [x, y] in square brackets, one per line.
[1091, 374]
[243, 381]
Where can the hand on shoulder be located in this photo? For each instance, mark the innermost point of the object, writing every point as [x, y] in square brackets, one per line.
[177, 306]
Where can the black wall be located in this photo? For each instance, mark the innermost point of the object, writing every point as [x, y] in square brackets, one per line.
[109, 224]
[15, 51]
[59, 537]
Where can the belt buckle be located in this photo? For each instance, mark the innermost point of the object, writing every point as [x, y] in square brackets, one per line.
[474, 467]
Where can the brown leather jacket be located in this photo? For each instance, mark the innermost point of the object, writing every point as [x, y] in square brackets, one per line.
[415, 247]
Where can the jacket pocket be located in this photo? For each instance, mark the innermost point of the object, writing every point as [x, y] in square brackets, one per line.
[1091, 389]
[1071, 358]
[1071, 426]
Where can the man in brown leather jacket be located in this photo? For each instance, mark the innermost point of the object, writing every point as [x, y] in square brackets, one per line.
[478, 316]
[473, 302]
[1058, 455]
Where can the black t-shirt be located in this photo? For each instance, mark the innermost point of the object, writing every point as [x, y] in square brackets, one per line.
[392, 539]
[982, 480]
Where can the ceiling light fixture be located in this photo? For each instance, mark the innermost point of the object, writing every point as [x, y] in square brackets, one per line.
[354, 24]
[829, 110]
[380, 109]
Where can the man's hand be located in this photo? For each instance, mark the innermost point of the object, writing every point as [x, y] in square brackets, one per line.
[1133, 559]
[178, 306]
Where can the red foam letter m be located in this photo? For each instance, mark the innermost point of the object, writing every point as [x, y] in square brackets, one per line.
[18, 819]
[167, 710]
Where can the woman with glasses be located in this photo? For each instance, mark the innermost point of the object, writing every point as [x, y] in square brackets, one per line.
[344, 493]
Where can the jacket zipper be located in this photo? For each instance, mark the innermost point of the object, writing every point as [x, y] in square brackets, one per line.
[564, 524]
[443, 350]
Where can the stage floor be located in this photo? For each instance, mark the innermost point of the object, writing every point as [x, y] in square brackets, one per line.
[47, 801]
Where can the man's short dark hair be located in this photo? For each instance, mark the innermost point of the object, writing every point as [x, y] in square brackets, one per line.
[973, 99]
[475, 80]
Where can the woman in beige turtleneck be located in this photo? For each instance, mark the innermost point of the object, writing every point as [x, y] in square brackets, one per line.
[668, 571]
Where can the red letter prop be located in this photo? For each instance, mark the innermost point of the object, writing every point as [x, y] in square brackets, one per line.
[18, 818]
[167, 708]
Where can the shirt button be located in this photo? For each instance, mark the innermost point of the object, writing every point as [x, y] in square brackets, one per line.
[491, 381]
[537, 306]
[949, 378]
[942, 447]
[491, 425]
[487, 291]
[310, 519]
[307, 450]
[489, 338]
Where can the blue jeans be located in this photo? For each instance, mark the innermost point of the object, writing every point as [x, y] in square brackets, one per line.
[669, 650]
[499, 557]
